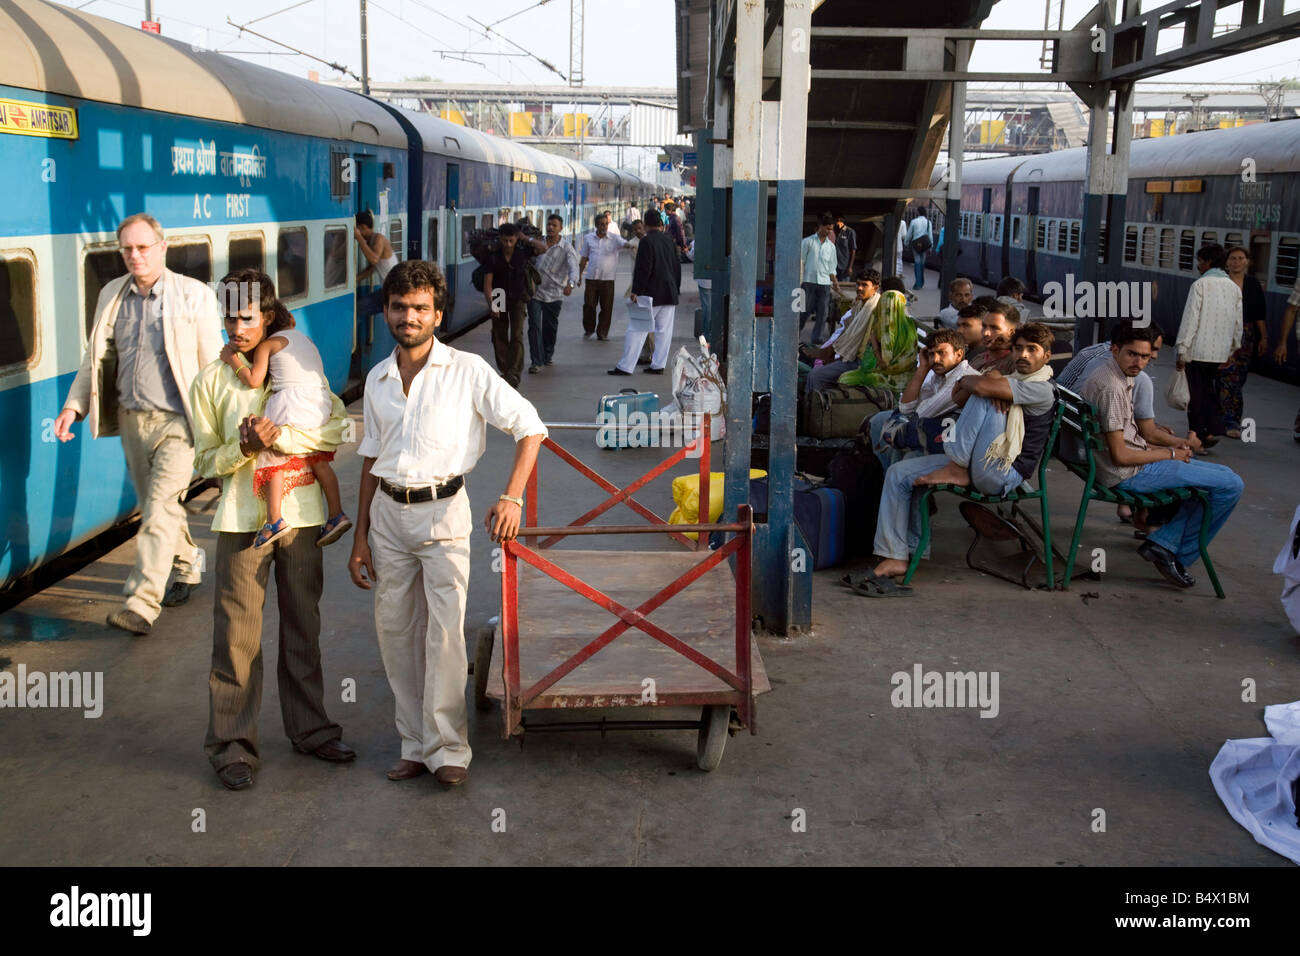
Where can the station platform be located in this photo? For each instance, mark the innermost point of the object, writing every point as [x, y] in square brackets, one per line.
[1115, 695]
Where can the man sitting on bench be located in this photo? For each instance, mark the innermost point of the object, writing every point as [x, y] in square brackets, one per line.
[995, 445]
[907, 431]
[1128, 461]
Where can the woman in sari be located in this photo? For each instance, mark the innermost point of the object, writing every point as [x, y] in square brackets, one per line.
[889, 358]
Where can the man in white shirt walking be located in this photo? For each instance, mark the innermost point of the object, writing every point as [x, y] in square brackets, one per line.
[817, 264]
[426, 410]
[558, 268]
[600, 249]
[1208, 335]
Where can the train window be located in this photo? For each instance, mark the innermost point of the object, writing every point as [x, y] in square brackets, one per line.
[1210, 237]
[1288, 258]
[342, 170]
[1187, 250]
[1040, 237]
[979, 226]
[503, 215]
[18, 309]
[1130, 244]
[1166, 248]
[1062, 235]
[1148, 250]
[1075, 227]
[291, 262]
[191, 256]
[431, 252]
[247, 252]
[1231, 239]
[336, 257]
[1017, 231]
[1101, 242]
[488, 221]
[101, 267]
[997, 229]
[466, 229]
[397, 237]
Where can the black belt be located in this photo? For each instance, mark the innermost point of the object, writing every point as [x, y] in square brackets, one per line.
[414, 496]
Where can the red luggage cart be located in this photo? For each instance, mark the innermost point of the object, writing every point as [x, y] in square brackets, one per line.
[675, 640]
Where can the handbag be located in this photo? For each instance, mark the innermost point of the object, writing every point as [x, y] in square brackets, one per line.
[1177, 394]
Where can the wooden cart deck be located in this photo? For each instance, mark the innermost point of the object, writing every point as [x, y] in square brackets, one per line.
[555, 623]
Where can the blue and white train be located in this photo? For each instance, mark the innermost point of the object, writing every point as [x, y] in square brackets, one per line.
[1023, 217]
[244, 166]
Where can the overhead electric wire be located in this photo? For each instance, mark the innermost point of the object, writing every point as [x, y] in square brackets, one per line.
[335, 66]
[539, 3]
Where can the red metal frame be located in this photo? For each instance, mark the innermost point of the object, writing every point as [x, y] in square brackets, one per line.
[742, 693]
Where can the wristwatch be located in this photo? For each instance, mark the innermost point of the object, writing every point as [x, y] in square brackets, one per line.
[512, 499]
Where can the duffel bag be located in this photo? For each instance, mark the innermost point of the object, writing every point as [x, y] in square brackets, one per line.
[838, 411]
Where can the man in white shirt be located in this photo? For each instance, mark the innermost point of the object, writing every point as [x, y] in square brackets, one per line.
[920, 239]
[843, 350]
[928, 396]
[426, 410]
[1208, 335]
[960, 295]
[558, 267]
[600, 249]
[817, 264]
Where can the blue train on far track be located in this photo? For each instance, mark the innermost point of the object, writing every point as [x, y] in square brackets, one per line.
[244, 166]
[1023, 217]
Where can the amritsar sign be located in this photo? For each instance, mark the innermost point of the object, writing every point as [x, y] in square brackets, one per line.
[37, 119]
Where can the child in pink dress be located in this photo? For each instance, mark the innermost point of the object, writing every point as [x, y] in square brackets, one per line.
[300, 396]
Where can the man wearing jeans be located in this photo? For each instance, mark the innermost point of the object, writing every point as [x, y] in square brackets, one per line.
[558, 267]
[817, 264]
[1130, 462]
[995, 446]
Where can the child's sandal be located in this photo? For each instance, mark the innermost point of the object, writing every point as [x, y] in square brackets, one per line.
[270, 532]
[334, 529]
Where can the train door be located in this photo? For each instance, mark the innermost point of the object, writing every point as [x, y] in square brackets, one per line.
[450, 248]
[1007, 228]
[1031, 240]
[986, 230]
[365, 197]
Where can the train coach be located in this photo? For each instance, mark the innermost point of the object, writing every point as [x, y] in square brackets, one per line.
[244, 166]
[1023, 216]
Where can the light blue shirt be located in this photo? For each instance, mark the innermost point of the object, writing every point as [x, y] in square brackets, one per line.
[818, 260]
[918, 227]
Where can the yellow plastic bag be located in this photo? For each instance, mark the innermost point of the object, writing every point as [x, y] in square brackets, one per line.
[686, 496]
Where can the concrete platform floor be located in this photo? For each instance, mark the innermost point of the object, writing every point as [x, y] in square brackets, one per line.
[1114, 696]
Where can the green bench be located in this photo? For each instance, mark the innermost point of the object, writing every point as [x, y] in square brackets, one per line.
[1012, 497]
[1078, 440]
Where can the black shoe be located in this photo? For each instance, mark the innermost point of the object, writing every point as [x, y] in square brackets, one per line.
[603, 338]
[533, 369]
[617, 371]
[236, 776]
[178, 593]
[129, 621]
[653, 371]
[1170, 568]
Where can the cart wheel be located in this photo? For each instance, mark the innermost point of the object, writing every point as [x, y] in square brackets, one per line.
[713, 736]
[482, 667]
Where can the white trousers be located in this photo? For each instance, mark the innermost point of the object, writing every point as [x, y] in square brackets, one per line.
[661, 317]
[421, 555]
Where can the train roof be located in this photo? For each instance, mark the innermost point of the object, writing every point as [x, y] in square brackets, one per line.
[473, 144]
[53, 48]
[1220, 152]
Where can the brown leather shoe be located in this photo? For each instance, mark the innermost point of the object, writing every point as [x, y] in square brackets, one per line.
[451, 776]
[406, 769]
[335, 751]
[236, 776]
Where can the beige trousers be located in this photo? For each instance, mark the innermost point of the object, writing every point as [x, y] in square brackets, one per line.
[160, 458]
[421, 555]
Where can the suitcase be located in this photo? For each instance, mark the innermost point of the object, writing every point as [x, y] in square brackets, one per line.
[838, 411]
[615, 413]
[819, 513]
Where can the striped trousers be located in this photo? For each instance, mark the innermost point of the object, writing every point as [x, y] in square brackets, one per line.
[235, 682]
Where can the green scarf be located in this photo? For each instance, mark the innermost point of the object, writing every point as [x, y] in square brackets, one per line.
[895, 333]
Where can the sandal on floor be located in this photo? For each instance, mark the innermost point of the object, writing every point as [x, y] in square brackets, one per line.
[270, 532]
[847, 581]
[882, 586]
[333, 529]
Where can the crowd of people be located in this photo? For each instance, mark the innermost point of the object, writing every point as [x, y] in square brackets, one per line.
[971, 401]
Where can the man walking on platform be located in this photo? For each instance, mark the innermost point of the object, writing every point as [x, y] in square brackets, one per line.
[817, 262]
[656, 281]
[600, 249]
[153, 331]
[1209, 333]
[426, 411]
[846, 248]
[558, 268]
[920, 238]
[229, 432]
[507, 275]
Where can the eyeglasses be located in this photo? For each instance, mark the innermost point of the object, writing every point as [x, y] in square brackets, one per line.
[127, 250]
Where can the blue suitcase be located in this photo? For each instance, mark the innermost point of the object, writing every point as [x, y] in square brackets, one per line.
[620, 429]
[819, 513]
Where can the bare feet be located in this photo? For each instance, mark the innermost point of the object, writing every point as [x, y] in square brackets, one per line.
[950, 474]
[890, 567]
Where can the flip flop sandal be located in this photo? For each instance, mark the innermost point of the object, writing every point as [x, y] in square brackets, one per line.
[270, 532]
[847, 581]
[882, 586]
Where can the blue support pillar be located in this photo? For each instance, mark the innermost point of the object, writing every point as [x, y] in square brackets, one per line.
[711, 241]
